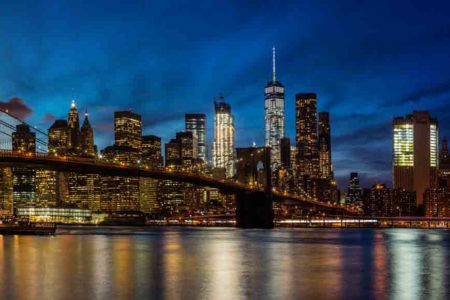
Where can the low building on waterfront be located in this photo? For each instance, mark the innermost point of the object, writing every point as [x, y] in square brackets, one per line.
[55, 215]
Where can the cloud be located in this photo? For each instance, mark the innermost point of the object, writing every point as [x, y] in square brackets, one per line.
[420, 94]
[48, 118]
[16, 107]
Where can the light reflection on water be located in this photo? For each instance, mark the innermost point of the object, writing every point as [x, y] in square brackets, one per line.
[226, 263]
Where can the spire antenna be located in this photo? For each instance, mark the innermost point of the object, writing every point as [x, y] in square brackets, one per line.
[274, 77]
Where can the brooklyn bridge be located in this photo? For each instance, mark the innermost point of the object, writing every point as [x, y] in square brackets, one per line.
[253, 205]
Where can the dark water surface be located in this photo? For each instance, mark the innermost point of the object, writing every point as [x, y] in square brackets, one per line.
[226, 263]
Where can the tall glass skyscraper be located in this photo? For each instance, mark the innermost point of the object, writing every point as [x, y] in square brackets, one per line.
[223, 145]
[415, 153]
[274, 114]
[196, 123]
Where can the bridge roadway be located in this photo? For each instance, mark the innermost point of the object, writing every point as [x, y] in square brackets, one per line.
[101, 167]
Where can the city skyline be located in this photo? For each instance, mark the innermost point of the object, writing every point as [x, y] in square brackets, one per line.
[393, 75]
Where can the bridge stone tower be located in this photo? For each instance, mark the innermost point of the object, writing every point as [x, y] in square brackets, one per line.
[254, 208]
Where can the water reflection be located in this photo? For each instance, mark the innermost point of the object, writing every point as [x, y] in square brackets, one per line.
[184, 263]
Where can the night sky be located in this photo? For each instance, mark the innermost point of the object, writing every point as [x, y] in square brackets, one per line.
[367, 61]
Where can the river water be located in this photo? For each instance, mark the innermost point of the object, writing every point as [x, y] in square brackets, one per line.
[226, 263]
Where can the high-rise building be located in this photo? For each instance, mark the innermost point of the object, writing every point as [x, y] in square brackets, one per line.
[58, 144]
[73, 125]
[58, 137]
[325, 165]
[437, 202]
[196, 123]
[6, 191]
[83, 190]
[23, 140]
[274, 115]
[444, 165]
[294, 158]
[128, 129]
[181, 152]
[149, 187]
[380, 200]
[24, 188]
[120, 194]
[172, 154]
[354, 195]
[285, 152]
[415, 153]
[306, 135]
[87, 147]
[151, 151]
[223, 145]
[307, 142]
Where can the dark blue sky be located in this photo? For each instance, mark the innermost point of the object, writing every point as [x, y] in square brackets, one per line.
[366, 60]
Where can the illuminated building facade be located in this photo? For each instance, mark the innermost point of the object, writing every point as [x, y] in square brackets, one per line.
[46, 188]
[380, 198]
[6, 191]
[58, 138]
[354, 195]
[149, 187]
[444, 165]
[437, 202]
[307, 142]
[121, 194]
[196, 123]
[415, 153]
[86, 138]
[325, 165]
[23, 140]
[151, 151]
[294, 165]
[381, 201]
[128, 129]
[58, 144]
[180, 154]
[223, 145]
[73, 125]
[24, 188]
[274, 115]
[306, 134]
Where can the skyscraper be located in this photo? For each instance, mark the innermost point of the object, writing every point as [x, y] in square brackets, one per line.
[307, 142]
[325, 166]
[285, 152]
[87, 147]
[444, 165]
[122, 193]
[274, 115]
[306, 134]
[151, 151]
[415, 153]
[128, 129]
[223, 145]
[24, 188]
[149, 187]
[196, 123]
[354, 195]
[23, 139]
[58, 138]
[73, 125]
